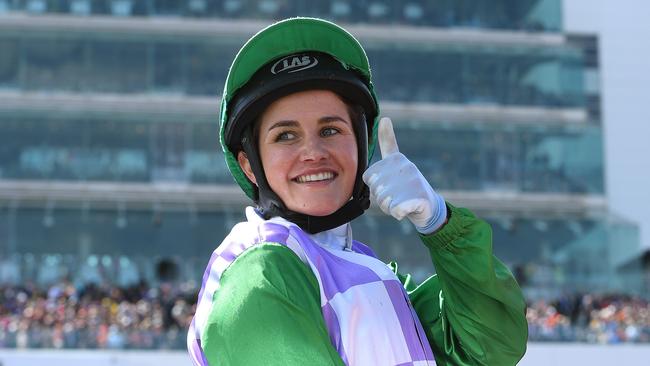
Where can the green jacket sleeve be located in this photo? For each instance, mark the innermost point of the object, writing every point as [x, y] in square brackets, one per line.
[263, 314]
[472, 310]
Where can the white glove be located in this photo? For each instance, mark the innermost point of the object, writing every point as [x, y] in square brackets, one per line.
[399, 188]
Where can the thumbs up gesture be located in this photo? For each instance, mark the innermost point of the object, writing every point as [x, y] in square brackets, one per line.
[398, 187]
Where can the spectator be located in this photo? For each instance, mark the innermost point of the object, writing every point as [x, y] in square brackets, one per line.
[605, 319]
[140, 317]
[137, 317]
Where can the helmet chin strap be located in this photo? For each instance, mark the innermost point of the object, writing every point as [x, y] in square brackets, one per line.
[270, 205]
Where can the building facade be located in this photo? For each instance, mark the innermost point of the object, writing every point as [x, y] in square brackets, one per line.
[109, 157]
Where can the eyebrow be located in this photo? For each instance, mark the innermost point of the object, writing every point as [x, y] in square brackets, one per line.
[294, 123]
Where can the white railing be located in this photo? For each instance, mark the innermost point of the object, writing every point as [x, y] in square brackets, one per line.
[538, 354]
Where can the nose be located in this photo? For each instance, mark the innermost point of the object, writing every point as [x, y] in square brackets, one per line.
[314, 149]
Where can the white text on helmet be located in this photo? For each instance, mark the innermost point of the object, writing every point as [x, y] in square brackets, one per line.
[294, 63]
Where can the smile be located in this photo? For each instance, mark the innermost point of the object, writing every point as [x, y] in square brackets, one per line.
[314, 177]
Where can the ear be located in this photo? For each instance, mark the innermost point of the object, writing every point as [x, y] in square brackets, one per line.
[245, 165]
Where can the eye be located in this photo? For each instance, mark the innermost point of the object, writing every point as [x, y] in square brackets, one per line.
[285, 136]
[329, 131]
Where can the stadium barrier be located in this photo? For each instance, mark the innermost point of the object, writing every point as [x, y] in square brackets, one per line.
[538, 354]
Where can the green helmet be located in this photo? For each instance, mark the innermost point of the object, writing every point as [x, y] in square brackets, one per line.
[293, 55]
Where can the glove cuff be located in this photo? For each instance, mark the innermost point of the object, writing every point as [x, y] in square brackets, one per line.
[437, 219]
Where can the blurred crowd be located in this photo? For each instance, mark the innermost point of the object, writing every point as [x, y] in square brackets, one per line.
[604, 319]
[93, 317]
[144, 317]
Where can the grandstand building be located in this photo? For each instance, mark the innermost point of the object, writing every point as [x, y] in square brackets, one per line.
[110, 167]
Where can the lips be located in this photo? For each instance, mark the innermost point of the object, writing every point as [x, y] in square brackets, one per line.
[314, 177]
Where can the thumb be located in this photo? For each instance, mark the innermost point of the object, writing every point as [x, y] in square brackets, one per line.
[386, 137]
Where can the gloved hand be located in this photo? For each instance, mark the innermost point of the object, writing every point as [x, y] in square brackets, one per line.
[399, 188]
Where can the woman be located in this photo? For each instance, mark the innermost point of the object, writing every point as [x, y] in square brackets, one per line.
[290, 286]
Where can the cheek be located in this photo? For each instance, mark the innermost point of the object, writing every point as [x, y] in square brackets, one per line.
[351, 151]
[353, 162]
[275, 163]
[349, 159]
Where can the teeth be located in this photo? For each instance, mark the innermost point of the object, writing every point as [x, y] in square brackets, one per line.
[315, 177]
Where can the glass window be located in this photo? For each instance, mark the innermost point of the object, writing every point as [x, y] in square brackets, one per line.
[233, 9]
[197, 7]
[452, 156]
[551, 77]
[80, 7]
[10, 269]
[531, 15]
[9, 53]
[93, 244]
[168, 7]
[122, 8]
[36, 6]
[480, 78]
[54, 64]
[207, 67]
[4, 6]
[119, 67]
[167, 148]
[74, 150]
[30, 148]
[169, 73]
[205, 163]
[539, 15]
[548, 255]
[544, 77]
[338, 10]
[522, 159]
[564, 161]
[207, 167]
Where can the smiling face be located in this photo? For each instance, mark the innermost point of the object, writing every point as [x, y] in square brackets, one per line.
[308, 150]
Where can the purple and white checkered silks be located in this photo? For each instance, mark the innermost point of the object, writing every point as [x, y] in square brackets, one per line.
[367, 312]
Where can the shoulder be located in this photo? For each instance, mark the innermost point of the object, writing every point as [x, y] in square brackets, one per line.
[265, 265]
[243, 237]
[266, 291]
[268, 278]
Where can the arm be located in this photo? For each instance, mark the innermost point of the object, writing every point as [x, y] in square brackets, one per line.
[473, 311]
[267, 312]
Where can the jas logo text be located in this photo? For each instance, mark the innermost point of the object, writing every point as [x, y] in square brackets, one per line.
[294, 63]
